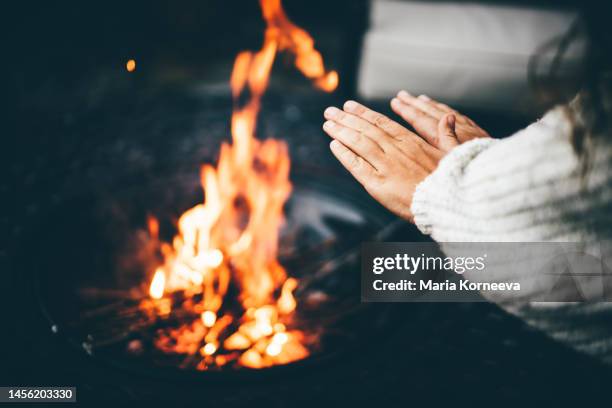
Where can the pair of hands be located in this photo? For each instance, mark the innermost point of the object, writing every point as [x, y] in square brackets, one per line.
[388, 159]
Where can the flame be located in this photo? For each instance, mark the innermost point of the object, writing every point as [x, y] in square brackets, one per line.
[288, 36]
[130, 65]
[233, 236]
[209, 318]
[156, 290]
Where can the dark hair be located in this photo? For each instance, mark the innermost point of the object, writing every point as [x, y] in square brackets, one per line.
[592, 78]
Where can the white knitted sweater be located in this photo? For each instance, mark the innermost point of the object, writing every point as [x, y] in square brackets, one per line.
[528, 188]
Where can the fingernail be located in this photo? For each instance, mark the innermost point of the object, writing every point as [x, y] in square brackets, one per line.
[403, 94]
[331, 112]
[425, 98]
[328, 125]
[350, 105]
[334, 144]
[395, 101]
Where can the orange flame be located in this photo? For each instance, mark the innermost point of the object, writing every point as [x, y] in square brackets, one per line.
[156, 291]
[233, 235]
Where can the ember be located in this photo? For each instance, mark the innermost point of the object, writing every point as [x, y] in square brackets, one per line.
[223, 261]
[130, 65]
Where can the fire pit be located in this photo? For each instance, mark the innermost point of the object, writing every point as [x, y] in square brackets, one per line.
[250, 278]
[101, 314]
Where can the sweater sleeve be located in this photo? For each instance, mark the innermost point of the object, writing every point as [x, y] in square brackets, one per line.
[434, 206]
[529, 187]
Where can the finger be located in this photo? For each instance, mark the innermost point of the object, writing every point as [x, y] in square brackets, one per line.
[422, 102]
[359, 168]
[441, 107]
[356, 123]
[444, 109]
[362, 145]
[447, 138]
[390, 127]
[425, 125]
[460, 118]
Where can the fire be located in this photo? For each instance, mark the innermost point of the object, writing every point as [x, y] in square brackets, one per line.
[156, 290]
[231, 240]
[209, 318]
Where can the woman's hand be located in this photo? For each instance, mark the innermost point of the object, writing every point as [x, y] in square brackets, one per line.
[424, 115]
[385, 157]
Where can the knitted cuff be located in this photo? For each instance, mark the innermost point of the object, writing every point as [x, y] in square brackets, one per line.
[442, 182]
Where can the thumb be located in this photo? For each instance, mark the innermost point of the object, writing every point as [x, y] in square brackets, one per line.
[446, 132]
